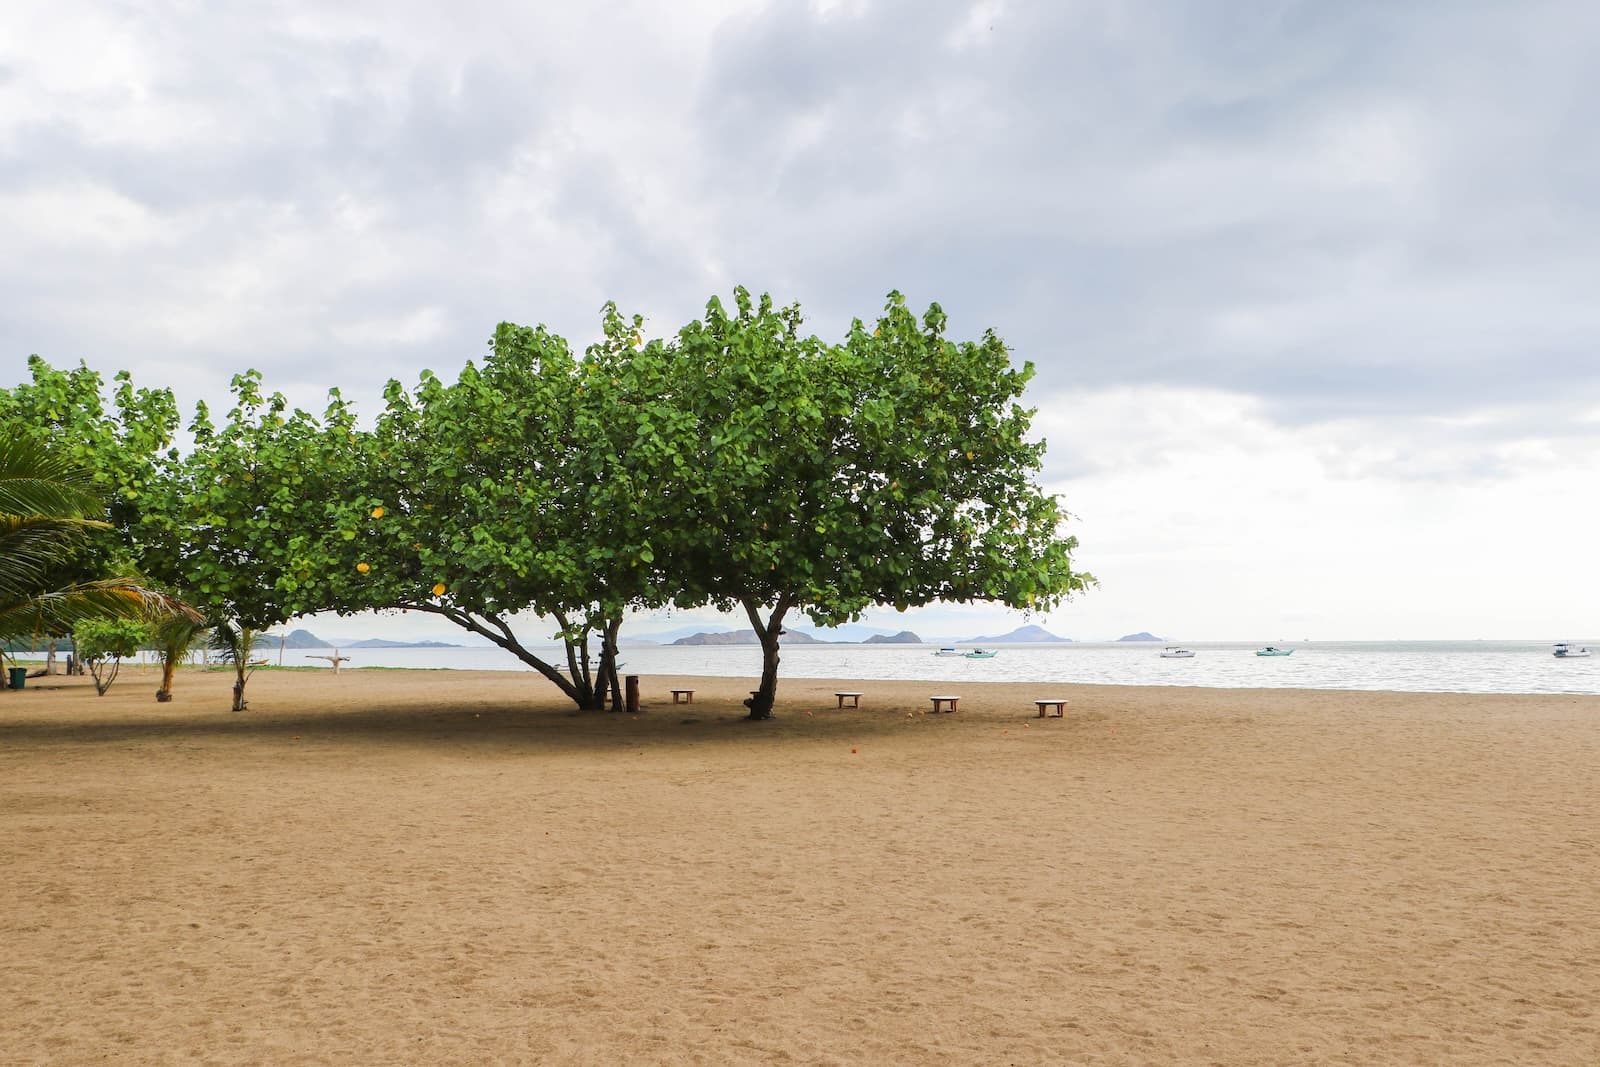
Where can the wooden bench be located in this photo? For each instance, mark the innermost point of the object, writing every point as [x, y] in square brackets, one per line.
[1060, 707]
[939, 702]
[683, 696]
[854, 698]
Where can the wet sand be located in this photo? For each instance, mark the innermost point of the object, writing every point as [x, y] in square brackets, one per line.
[454, 868]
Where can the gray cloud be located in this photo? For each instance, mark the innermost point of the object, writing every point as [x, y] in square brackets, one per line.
[1353, 210]
[1346, 208]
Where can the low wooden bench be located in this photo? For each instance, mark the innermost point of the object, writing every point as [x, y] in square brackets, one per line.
[854, 698]
[683, 696]
[1060, 707]
[939, 702]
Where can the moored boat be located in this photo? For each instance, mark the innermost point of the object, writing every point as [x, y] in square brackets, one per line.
[1174, 652]
[1566, 651]
[948, 651]
[979, 653]
[1270, 650]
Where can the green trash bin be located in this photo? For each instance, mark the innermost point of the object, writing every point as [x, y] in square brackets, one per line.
[19, 677]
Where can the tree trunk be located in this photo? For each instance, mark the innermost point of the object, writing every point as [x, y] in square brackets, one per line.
[105, 673]
[760, 702]
[768, 632]
[608, 663]
[169, 666]
[582, 690]
[241, 676]
[571, 684]
[50, 659]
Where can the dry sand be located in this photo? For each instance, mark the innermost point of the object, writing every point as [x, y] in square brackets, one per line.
[448, 868]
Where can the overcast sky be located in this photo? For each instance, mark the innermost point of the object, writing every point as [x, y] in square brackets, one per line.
[1309, 286]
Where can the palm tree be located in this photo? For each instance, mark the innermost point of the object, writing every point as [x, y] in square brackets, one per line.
[173, 640]
[236, 644]
[45, 504]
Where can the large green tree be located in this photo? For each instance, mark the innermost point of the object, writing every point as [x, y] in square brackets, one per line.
[500, 502]
[216, 523]
[894, 468]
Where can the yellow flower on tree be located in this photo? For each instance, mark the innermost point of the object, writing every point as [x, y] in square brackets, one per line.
[438, 589]
[377, 512]
[363, 567]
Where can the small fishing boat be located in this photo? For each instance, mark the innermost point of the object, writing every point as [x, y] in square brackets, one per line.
[1174, 652]
[948, 651]
[1566, 651]
[1272, 651]
[979, 653]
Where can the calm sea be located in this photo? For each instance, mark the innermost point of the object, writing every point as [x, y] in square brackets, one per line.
[1408, 666]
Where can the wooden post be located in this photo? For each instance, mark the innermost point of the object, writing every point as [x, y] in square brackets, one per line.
[633, 692]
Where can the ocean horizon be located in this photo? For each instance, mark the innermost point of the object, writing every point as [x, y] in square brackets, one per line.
[1478, 666]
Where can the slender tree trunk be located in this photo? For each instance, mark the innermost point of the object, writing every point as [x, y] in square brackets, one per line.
[169, 665]
[105, 673]
[571, 684]
[768, 632]
[50, 658]
[582, 689]
[240, 677]
[608, 662]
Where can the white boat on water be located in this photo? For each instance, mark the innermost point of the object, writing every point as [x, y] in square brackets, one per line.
[1566, 651]
[1174, 652]
[1273, 650]
[948, 651]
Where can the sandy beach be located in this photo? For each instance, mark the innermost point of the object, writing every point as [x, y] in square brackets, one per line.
[440, 867]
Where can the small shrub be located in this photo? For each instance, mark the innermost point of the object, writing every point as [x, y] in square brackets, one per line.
[101, 644]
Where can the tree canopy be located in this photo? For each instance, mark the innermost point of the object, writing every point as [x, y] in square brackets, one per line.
[890, 468]
[739, 463]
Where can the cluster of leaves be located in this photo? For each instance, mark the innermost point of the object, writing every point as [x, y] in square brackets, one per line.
[739, 463]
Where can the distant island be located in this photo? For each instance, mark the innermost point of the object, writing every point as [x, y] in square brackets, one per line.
[792, 637]
[1142, 635]
[745, 637]
[307, 639]
[1021, 635]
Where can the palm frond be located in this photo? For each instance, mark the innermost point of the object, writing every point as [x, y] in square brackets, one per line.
[30, 545]
[55, 612]
[36, 481]
[233, 643]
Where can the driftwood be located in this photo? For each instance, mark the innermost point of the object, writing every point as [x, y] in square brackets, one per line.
[335, 659]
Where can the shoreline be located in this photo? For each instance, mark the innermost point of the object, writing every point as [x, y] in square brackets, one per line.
[1495, 674]
[426, 866]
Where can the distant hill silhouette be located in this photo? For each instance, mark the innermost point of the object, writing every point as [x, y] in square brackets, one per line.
[297, 639]
[904, 637]
[1021, 635]
[307, 639]
[1142, 635]
[744, 637]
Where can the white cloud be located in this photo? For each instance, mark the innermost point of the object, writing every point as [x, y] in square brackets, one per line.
[1204, 520]
[423, 324]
